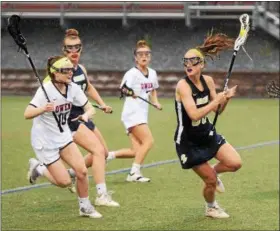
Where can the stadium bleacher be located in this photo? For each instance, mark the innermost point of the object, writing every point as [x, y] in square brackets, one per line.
[108, 46]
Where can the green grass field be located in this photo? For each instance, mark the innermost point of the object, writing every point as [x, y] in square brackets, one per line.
[173, 200]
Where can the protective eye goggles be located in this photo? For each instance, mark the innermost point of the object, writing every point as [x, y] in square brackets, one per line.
[193, 61]
[143, 53]
[73, 48]
[64, 70]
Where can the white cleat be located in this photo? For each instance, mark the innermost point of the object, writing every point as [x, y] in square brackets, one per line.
[105, 199]
[109, 157]
[137, 178]
[32, 173]
[72, 187]
[220, 186]
[215, 212]
[89, 211]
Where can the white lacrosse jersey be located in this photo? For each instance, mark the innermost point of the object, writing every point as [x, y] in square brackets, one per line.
[136, 110]
[45, 132]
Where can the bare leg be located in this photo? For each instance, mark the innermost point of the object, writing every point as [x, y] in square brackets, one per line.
[144, 136]
[230, 160]
[88, 140]
[126, 152]
[73, 157]
[208, 175]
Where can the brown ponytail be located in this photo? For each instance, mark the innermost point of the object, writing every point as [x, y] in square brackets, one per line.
[213, 44]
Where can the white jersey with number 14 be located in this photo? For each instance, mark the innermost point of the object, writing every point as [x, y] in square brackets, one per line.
[45, 132]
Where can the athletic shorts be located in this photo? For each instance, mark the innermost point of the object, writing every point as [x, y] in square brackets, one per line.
[48, 156]
[133, 120]
[74, 125]
[191, 154]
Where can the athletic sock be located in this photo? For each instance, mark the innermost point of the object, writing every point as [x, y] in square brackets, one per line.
[101, 188]
[83, 202]
[40, 169]
[135, 168]
[211, 204]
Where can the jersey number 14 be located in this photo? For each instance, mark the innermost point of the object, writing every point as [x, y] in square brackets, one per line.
[62, 118]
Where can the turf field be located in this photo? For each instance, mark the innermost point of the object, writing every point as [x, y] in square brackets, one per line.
[173, 200]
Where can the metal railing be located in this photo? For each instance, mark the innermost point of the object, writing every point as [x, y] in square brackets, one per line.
[261, 12]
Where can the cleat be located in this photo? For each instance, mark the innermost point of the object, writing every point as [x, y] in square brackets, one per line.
[215, 212]
[109, 157]
[89, 211]
[105, 199]
[32, 173]
[137, 178]
[72, 187]
[220, 186]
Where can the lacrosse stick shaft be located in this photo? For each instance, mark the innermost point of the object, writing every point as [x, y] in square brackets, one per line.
[225, 86]
[44, 90]
[147, 101]
[41, 84]
[100, 108]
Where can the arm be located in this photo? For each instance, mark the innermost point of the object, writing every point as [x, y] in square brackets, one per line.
[38, 105]
[154, 97]
[93, 94]
[31, 111]
[89, 110]
[213, 94]
[91, 91]
[185, 93]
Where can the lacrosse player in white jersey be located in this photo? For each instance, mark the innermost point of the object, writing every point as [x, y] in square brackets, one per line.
[51, 144]
[143, 81]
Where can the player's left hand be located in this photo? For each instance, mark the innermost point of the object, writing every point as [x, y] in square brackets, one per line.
[231, 92]
[107, 109]
[83, 117]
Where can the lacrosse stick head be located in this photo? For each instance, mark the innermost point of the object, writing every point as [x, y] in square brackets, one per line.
[273, 90]
[243, 34]
[14, 30]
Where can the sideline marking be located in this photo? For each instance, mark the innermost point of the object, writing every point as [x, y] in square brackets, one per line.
[123, 170]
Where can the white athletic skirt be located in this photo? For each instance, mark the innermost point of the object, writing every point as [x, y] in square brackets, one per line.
[133, 119]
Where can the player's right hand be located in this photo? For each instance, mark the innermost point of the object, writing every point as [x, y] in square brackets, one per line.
[49, 107]
[221, 97]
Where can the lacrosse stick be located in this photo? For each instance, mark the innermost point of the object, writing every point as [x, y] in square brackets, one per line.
[14, 30]
[127, 91]
[273, 90]
[100, 108]
[240, 41]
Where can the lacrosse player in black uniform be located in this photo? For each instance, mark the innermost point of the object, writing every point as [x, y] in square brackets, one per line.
[196, 140]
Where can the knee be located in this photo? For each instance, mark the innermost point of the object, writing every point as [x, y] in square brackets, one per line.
[236, 166]
[81, 172]
[63, 183]
[98, 151]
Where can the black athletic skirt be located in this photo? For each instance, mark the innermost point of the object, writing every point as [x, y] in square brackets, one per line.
[192, 154]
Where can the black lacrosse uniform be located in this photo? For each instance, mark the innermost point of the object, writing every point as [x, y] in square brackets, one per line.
[80, 79]
[194, 145]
